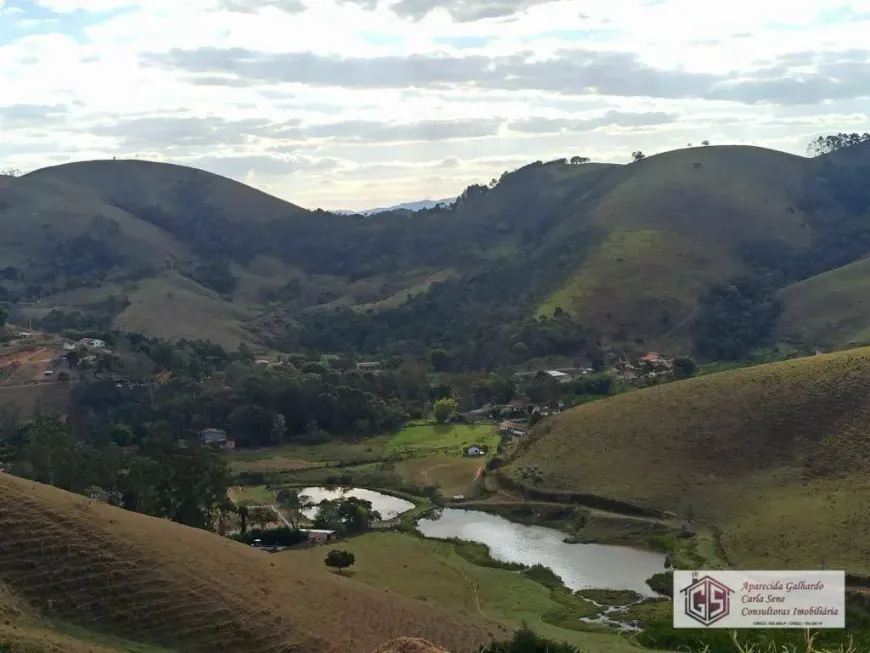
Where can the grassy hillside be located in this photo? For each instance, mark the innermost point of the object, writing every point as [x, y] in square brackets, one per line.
[435, 572]
[674, 225]
[625, 249]
[776, 456]
[151, 580]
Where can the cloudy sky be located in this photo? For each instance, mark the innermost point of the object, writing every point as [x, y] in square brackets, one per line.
[360, 103]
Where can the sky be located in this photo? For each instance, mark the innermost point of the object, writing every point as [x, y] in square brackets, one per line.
[351, 104]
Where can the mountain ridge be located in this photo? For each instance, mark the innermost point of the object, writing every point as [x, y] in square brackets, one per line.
[404, 206]
[628, 251]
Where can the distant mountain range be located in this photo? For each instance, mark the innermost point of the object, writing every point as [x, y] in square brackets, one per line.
[407, 206]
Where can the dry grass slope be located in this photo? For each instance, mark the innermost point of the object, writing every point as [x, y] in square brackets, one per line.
[776, 456]
[156, 581]
[830, 309]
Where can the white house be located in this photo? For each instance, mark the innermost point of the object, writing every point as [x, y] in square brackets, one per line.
[92, 343]
[474, 450]
[561, 377]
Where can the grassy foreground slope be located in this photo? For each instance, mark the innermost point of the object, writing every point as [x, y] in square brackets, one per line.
[155, 581]
[775, 456]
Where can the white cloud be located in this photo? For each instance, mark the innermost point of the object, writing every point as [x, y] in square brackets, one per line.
[351, 103]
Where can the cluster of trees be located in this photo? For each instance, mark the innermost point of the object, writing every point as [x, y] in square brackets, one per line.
[155, 477]
[834, 142]
[208, 387]
[479, 322]
[348, 515]
[735, 317]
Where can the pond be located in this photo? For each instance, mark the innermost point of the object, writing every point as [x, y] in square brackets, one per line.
[389, 506]
[580, 566]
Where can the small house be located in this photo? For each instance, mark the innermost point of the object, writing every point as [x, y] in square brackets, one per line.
[558, 376]
[474, 450]
[92, 343]
[513, 428]
[216, 437]
[368, 366]
[319, 536]
[655, 359]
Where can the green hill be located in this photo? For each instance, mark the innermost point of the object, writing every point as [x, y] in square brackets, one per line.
[775, 456]
[626, 250]
[829, 310]
[70, 567]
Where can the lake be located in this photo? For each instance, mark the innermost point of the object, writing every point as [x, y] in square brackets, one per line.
[580, 566]
[388, 506]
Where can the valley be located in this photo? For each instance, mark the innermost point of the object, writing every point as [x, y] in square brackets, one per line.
[235, 424]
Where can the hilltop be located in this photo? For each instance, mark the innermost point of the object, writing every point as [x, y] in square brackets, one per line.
[123, 574]
[773, 456]
[627, 252]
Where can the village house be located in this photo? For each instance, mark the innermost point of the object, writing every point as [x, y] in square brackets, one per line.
[368, 366]
[561, 377]
[216, 437]
[513, 428]
[319, 536]
[92, 343]
[656, 359]
[475, 450]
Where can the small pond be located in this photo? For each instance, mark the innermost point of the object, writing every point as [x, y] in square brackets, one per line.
[389, 506]
[579, 565]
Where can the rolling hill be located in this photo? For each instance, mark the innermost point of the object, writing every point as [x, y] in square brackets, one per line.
[774, 456]
[627, 250]
[829, 310]
[112, 573]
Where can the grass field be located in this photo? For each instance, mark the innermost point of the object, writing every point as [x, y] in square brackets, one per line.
[450, 473]
[434, 572]
[442, 437]
[153, 581]
[775, 456]
[432, 455]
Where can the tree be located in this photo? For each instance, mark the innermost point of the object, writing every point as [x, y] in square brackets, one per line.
[684, 368]
[4, 315]
[243, 519]
[351, 515]
[294, 503]
[577, 160]
[444, 409]
[705, 142]
[637, 155]
[339, 559]
[279, 427]
[440, 360]
[262, 516]
[63, 377]
[10, 172]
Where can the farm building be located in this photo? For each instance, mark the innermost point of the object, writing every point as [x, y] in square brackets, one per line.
[561, 377]
[214, 437]
[513, 428]
[318, 535]
[92, 343]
